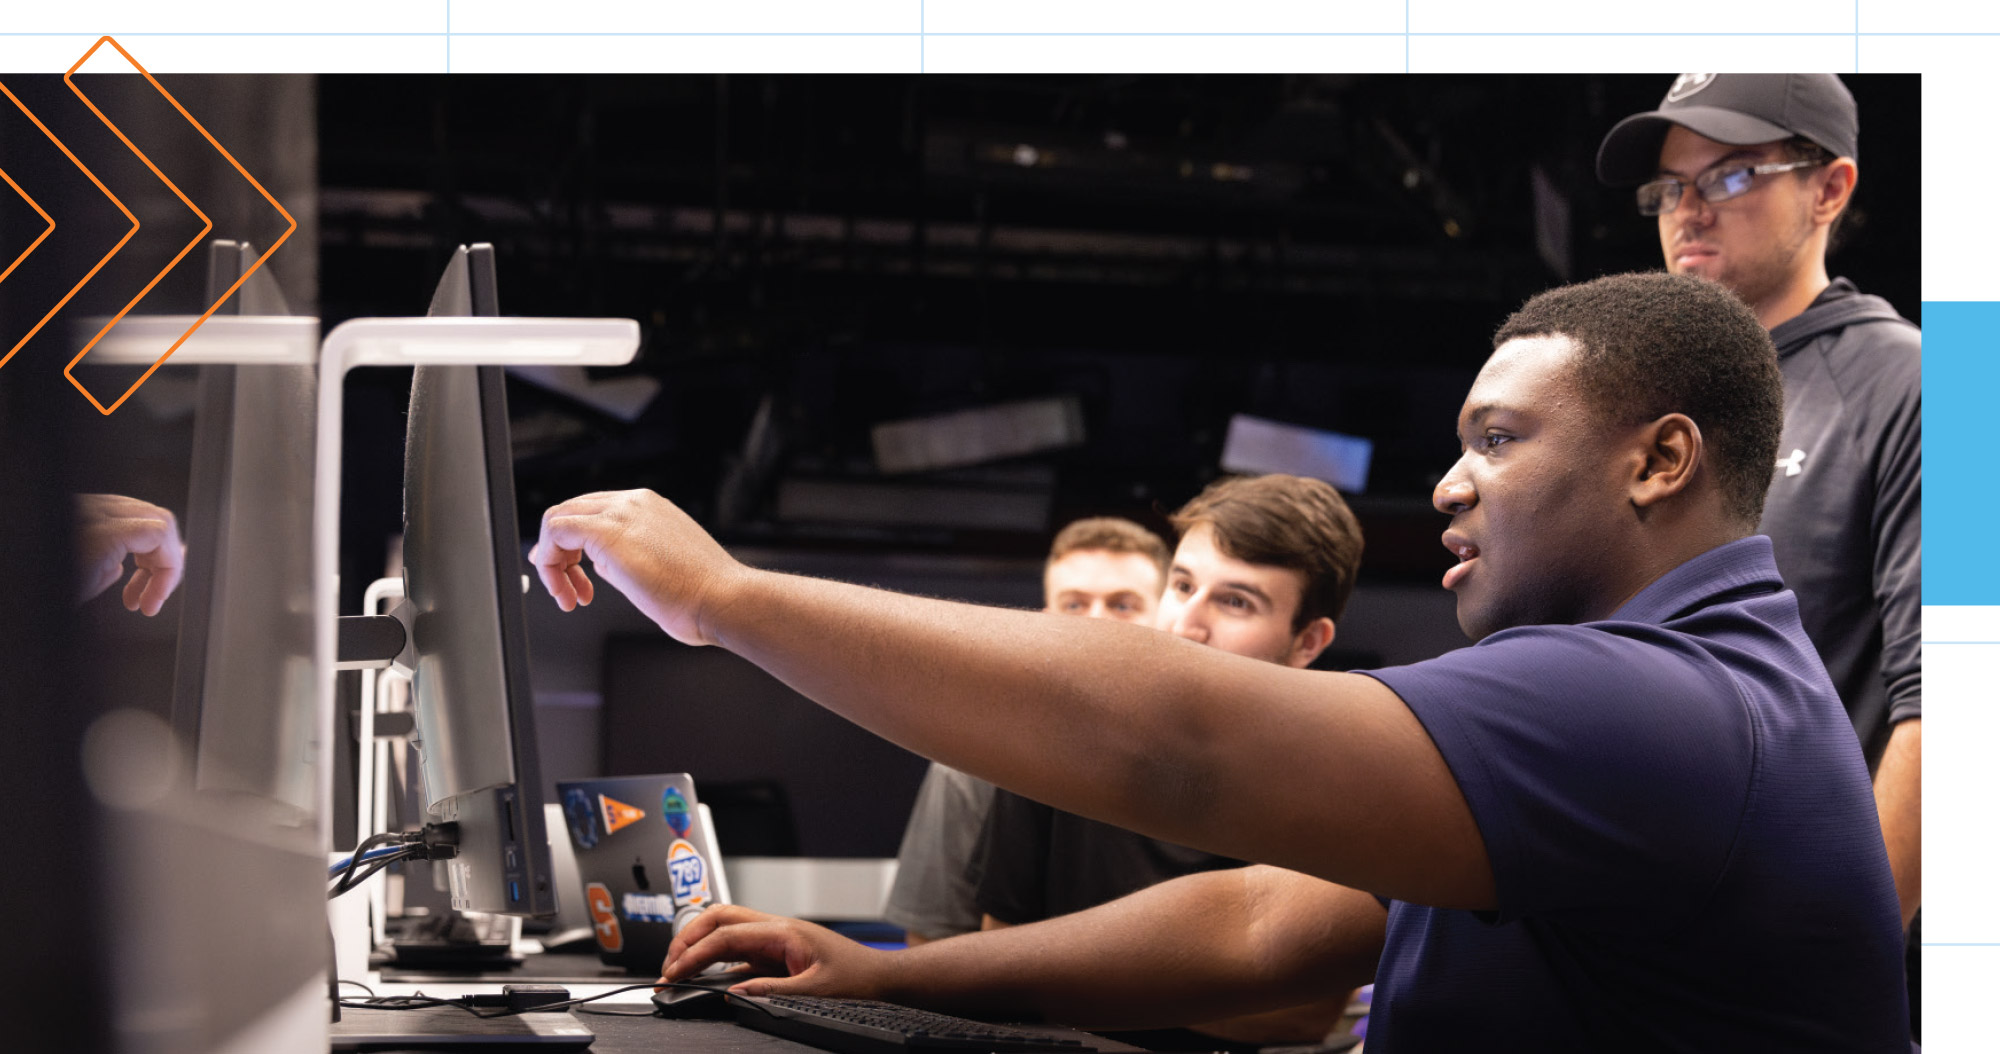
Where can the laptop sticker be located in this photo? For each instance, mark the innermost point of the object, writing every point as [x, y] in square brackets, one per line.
[603, 920]
[688, 873]
[582, 818]
[618, 815]
[675, 809]
[649, 907]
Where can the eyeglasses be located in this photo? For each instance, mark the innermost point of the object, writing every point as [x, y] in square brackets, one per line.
[1720, 183]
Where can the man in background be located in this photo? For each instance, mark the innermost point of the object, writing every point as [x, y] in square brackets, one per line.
[1264, 566]
[1102, 567]
[1750, 177]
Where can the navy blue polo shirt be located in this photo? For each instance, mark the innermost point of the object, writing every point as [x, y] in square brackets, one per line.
[1683, 838]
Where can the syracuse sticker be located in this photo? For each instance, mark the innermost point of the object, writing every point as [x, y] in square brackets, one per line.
[603, 920]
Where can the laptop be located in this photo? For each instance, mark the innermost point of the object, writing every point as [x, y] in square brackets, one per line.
[645, 855]
[451, 1028]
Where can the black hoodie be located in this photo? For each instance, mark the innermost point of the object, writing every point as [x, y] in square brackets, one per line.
[1845, 509]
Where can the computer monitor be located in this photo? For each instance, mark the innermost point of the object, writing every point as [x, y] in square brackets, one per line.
[243, 675]
[216, 869]
[464, 578]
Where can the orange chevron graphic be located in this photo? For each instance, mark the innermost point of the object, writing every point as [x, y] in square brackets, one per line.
[37, 243]
[85, 169]
[206, 225]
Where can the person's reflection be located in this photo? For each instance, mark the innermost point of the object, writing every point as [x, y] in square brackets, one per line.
[112, 526]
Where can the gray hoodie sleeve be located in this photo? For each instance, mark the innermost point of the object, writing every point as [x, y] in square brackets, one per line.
[1894, 402]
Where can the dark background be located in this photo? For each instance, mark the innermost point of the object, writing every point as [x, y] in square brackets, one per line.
[1328, 250]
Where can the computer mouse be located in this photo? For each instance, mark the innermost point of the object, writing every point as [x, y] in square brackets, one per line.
[698, 998]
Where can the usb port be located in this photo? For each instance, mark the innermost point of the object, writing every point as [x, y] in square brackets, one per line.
[514, 892]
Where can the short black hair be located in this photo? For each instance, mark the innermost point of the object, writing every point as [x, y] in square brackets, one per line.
[1653, 344]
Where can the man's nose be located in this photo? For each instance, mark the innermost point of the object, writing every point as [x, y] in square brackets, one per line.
[1188, 621]
[1692, 208]
[1453, 494]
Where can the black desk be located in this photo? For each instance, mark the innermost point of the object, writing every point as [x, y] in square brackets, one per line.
[621, 1029]
[630, 1035]
[547, 968]
[654, 1035]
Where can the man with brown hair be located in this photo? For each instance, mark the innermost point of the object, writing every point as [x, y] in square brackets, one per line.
[1101, 567]
[1104, 567]
[1264, 566]
[1298, 527]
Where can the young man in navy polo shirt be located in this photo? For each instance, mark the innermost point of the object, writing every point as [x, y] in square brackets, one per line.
[1633, 816]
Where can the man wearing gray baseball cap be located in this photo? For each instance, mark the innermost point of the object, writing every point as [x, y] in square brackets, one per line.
[1749, 176]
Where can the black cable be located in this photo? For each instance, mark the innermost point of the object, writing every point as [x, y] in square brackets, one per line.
[363, 987]
[418, 1004]
[370, 842]
[370, 873]
[419, 1001]
[349, 880]
[566, 1004]
[379, 863]
[595, 1012]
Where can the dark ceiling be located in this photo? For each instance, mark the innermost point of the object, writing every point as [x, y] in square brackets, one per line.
[1331, 251]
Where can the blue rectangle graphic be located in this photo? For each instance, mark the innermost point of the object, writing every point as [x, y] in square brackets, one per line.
[1961, 380]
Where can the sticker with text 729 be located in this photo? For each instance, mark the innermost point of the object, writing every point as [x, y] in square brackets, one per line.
[688, 873]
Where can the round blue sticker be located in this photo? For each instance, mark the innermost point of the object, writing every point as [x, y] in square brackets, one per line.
[675, 809]
[582, 817]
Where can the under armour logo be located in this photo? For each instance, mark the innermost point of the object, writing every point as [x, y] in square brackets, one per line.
[1793, 465]
[1687, 84]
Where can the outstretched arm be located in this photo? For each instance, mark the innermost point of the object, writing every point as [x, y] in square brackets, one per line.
[1326, 773]
[1201, 947]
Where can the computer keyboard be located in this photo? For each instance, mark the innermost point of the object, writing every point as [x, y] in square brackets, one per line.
[864, 1026]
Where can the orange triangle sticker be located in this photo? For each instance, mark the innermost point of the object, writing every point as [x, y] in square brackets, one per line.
[618, 815]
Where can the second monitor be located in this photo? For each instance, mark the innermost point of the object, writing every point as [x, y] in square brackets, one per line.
[463, 575]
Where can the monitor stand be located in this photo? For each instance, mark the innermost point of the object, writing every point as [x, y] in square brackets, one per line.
[448, 944]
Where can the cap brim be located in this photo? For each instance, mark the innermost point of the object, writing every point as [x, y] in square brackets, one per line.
[1630, 154]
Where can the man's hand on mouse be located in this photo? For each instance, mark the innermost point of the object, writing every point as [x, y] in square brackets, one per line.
[814, 959]
[644, 546]
[110, 526]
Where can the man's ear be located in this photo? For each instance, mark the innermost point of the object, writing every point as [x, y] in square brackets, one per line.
[1836, 188]
[1670, 450]
[1309, 642]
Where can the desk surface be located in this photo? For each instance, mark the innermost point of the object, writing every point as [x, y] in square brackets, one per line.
[549, 968]
[631, 1035]
[622, 1029]
[635, 1034]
